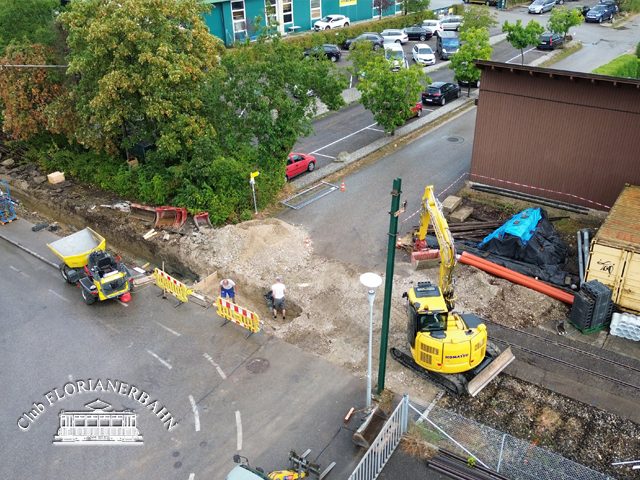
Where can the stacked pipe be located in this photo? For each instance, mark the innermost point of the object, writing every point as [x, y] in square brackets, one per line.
[525, 197]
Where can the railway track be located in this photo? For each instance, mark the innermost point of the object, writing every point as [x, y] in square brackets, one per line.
[587, 373]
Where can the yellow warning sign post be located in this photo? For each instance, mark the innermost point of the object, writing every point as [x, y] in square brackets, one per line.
[173, 286]
[243, 317]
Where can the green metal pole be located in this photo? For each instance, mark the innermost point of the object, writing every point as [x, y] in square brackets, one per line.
[388, 281]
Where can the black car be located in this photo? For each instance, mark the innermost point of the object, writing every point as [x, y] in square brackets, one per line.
[440, 92]
[583, 9]
[418, 33]
[550, 41]
[612, 3]
[332, 52]
[375, 38]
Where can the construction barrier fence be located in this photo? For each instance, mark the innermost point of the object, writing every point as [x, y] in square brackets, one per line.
[241, 316]
[173, 286]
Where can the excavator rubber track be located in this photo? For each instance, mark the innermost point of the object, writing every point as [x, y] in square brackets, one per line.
[454, 384]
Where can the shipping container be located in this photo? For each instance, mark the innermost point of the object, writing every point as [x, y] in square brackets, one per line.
[614, 257]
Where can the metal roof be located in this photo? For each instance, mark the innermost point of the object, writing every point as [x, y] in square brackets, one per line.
[513, 68]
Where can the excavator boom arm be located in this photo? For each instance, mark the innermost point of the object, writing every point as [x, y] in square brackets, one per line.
[431, 212]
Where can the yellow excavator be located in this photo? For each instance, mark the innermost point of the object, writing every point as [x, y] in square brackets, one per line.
[447, 348]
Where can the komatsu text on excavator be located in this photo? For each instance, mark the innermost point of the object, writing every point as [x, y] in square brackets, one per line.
[447, 348]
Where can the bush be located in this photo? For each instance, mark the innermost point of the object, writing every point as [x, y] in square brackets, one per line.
[638, 50]
[624, 66]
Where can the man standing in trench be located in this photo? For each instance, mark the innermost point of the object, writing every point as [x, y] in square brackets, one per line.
[228, 290]
[278, 291]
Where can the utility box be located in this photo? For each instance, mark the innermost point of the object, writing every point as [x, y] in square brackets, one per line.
[614, 257]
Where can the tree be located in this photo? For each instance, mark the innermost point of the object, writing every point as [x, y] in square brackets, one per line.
[33, 20]
[388, 95]
[474, 43]
[382, 6]
[521, 37]
[415, 6]
[562, 19]
[140, 69]
[478, 16]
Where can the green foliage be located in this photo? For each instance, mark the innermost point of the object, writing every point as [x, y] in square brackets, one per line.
[623, 66]
[474, 43]
[478, 16]
[631, 6]
[388, 95]
[457, 9]
[140, 66]
[521, 37]
[638, 50]
[471, 462]
[562, 19]
[415, 6]
[27, 22]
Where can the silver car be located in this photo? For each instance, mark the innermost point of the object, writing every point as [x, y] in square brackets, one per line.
[392, 35]
[451, 22]
[541, 6]
[423, 55]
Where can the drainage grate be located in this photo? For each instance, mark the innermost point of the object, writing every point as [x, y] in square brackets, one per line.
[258, 365]
[309, 195]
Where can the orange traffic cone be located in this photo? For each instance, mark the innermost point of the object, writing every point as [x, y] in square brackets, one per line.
[399, 242]
[343, 188]
[307, 242]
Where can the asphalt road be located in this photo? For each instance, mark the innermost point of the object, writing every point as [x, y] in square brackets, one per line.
[351, 226]
[50, 342]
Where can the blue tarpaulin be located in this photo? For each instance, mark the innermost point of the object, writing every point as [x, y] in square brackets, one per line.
[523, 225]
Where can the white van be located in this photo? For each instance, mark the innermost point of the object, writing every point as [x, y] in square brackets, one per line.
[394, 53]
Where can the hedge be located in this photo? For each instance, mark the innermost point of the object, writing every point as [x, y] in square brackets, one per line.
[624, 66]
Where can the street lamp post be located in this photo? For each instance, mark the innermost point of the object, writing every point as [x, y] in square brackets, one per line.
[371, 281]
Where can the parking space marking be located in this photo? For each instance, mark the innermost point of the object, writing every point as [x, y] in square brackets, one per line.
[59, 296]
[194, 407]
[376, 130]
[520, 56]
[166, 364]
[239, 428]
[18, 270]
[208, 357]
[192, 476]
[343, 138]
[323, 155]
[122, 303]
[168, 329]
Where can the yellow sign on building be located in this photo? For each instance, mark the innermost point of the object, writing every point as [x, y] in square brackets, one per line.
[345, 3]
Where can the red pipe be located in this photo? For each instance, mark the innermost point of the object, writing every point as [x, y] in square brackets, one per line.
[516, 277]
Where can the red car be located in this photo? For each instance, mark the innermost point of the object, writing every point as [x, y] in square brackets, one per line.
[417, 110]
[298, 163]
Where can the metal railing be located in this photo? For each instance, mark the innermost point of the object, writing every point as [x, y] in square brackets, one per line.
[384, 445]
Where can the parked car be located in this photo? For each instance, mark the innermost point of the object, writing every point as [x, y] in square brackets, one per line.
[550, 41]
[423, 55]
[464, 83]
[611, 2]
[331, 21]
[331, 51]
[600, 13]
[394, 54]
[375, 38]
[392, 35]
[440, 92]
[416, 32]
[432, 26]
[298, 163]
[451, 22]
[583, 9]
[541, 6]
[559, 2]
[417, 110]
[447, 44]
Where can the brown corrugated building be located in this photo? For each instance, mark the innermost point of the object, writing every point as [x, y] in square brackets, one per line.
[567, 136]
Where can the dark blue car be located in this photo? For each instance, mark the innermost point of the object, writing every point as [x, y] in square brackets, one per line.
[600, 13]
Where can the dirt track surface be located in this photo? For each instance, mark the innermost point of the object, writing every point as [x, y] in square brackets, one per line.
[328, 311]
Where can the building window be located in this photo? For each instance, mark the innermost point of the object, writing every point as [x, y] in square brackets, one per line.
[270, 11]
[316, 10]
[239, 24]
[287, 11]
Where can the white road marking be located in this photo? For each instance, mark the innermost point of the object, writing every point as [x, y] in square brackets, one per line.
[18, 270]
[168, 329]
[239, 427]
[520, 56]
[194, 407]
[323, 155]
[122, 303]
[166, 364]
[59, 296]
[376, 130]
[70, 378]
[224, 377]
[192, 476]
[344, 138]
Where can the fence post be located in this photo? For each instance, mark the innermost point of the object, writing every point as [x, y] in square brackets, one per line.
[404, 420]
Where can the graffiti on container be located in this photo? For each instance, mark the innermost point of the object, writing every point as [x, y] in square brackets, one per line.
[606, 266]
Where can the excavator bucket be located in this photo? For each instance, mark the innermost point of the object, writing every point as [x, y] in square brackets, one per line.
[142, 212]
[490, 372]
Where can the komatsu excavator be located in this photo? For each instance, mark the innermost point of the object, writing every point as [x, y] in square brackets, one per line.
[447, 348]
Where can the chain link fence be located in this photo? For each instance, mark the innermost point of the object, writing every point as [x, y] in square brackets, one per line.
[514, 458]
